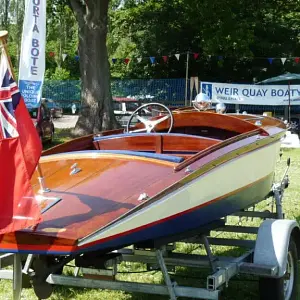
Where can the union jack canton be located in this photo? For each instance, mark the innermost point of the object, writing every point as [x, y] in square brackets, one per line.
[9, 100]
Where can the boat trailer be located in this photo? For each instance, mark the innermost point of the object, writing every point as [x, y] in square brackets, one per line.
[272, 256]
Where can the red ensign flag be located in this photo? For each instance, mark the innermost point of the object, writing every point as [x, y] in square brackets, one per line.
[20, 150]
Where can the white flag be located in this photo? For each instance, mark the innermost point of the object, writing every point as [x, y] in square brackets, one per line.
[177, 56]
[139, 59]
[283, 59]
[64, 56]
[32, 56]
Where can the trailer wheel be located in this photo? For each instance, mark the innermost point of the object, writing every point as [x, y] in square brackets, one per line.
[284, 288]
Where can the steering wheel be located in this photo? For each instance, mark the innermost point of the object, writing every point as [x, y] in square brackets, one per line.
[150, 124]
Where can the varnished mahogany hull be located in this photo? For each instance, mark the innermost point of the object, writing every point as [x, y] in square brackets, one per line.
[133, 189]
[182, 203]
[168, 228]
[224, 189]
[185, 222]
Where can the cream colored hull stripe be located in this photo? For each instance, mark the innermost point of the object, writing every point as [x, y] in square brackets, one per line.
[220, 181]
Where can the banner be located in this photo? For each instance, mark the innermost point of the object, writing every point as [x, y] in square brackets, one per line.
[32, 57]
[251, 94]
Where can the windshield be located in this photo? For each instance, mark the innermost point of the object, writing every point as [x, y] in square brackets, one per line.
[33, 113]
[52, 105]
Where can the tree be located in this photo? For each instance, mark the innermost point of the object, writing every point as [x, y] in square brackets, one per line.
[96, 113]
[235, 30]
[5, 13]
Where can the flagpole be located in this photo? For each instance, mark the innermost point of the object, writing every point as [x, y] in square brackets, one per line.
[3, 39]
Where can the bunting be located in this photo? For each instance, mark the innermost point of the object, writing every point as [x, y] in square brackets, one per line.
[283, 60]
[165, 58]
[195, 55]
[152, 59]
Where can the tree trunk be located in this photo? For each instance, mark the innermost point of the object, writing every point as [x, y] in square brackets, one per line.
[96, 112]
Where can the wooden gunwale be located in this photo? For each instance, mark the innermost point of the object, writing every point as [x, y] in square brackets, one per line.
[202, 119]
[80, 143]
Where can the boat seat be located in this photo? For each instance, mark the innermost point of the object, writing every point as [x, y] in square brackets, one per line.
[168, 143]
[158, 156]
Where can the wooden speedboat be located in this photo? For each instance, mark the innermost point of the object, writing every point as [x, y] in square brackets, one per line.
[119, 188]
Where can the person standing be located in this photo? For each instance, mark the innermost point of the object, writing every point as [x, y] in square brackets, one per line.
[73, 108]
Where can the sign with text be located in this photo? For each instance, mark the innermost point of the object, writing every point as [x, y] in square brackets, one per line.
[251, 94]
[32, 57]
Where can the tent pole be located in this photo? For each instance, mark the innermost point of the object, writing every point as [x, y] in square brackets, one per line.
[289, 116]
[186, 79]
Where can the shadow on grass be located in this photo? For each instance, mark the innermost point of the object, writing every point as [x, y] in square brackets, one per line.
[240, 287]
[60, 136]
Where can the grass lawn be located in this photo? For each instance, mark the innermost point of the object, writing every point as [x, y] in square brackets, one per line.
[61, 135]
[240, 288]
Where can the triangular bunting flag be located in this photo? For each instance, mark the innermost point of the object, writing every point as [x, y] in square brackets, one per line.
[51, 54]
[126, 60]
[113, 60]
[196, 55]
[165, 58]
[297, 59]
[76, 57]
[64, 56]
[264, 69]
[283, 59]
[139, 59]
[152, 59]
[270, 60]
[177, 56]
[209, 56]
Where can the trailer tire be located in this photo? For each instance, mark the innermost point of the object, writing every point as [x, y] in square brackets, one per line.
[275, 288]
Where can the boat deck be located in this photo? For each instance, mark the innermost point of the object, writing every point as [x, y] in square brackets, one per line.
[101, 179]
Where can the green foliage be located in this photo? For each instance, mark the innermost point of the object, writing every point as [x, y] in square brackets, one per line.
[59, 74]
[61, 37]
[234, 29]
[243, 33]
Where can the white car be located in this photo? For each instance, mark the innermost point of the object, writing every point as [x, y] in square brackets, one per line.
[124, 107]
